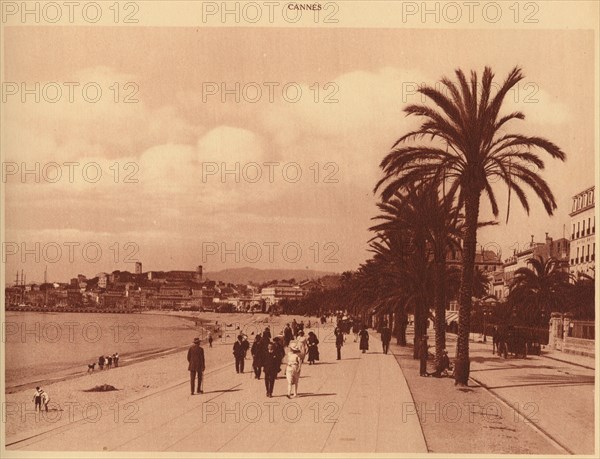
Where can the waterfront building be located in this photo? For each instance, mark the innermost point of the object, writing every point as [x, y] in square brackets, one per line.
[583, 230]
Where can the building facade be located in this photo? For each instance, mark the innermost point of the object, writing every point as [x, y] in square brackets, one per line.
[583, 230]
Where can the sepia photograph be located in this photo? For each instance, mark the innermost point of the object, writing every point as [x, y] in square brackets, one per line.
[299, 229]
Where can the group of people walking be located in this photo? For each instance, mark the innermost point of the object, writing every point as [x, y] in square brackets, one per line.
[268, 353]
[109, 361]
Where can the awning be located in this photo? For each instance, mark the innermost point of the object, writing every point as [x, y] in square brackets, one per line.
[451, 316]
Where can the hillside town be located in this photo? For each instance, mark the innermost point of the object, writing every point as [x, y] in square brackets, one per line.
[123, 291]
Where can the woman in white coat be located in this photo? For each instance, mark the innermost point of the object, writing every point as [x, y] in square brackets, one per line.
[292, 372]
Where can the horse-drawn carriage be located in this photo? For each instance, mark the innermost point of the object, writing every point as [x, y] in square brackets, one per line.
[517, 341]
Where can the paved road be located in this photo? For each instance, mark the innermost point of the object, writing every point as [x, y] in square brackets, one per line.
[344, 406]
[557, 396]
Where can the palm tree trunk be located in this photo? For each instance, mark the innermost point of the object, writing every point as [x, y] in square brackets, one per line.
[400, 322]
[440, 312]
[462, 367]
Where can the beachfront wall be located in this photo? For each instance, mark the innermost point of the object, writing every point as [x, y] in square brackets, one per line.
[572, 336]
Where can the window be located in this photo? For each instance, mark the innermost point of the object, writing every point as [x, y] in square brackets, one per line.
[577, 257]
[589, 226]
[573, 233]
[574, 205]
[578, 228]
[585, 196]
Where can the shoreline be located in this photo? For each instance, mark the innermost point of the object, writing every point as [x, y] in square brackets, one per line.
[150, 371]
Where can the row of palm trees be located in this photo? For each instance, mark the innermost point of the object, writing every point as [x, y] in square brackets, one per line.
[434, 179]
[433, 182]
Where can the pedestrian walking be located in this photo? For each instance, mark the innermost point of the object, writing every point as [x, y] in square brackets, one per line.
[210, 339]
[116, 359]
[257, 352]
[294, 328]
[302, 344]
[279, 349]
[423, 353]
[110, 361]
[239, 354]
[101, 361]
[386, 337]
[287, 335]
[339, 341]
[292, 372]
[364, 339]
[272, 366]
[37, 399]
[313, 348]
[355, 330]
[267, 334]
[245, 345]
[197, 364]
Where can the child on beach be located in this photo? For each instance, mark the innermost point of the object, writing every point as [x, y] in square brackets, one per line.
[37, 398]
[45, 399]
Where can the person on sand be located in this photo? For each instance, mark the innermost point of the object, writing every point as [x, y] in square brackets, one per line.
[195, 357]
[292, 372]
[238, 354]
[116, 359]
[364, 339]
[339, 341]
[101, 361]
[37, 399]
[45, 399]
[272, 366]
[110, 360]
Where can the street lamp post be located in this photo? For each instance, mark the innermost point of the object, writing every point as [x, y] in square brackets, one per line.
[485, 314]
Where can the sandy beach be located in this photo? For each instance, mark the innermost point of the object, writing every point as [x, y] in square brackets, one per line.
[150, 370]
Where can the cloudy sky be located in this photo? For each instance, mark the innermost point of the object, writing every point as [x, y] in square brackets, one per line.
[173, 142]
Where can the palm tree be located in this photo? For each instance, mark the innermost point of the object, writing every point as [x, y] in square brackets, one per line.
[423, 211]
[539, 289]
[466, 149]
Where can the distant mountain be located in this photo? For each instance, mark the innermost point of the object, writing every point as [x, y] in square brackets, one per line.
[245, 275]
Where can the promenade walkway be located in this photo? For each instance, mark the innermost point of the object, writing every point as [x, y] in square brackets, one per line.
[352, 405]
[522, 406]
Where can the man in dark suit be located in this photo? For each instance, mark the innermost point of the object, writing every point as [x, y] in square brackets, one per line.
[196, 365]
[239, 352]
[339, 341]
[386, 337]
